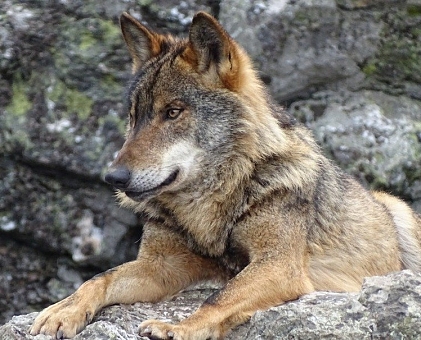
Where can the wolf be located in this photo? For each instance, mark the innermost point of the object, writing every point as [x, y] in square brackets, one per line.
[234, 190]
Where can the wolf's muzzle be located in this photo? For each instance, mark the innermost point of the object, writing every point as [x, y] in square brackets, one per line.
[118, 177]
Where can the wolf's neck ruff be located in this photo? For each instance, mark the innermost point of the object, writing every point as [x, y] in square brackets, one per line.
[235, 126]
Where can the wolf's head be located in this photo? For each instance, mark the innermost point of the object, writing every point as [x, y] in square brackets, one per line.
[193, 104]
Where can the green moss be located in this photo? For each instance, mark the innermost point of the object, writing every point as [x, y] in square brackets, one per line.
[110, 30]
[15, 133]
[379, 158]
[150, 6]
[310, 17]
[417, 127]
[106, 31]
[379, 183]
[110, 86]
[414, 10]
[19, 138]
[412, 174]
[416, 31]
[144, 3]
[115, 121]
[411, 61]
[57, 91]
[377, 180]
[369, 68]
[20, 103]
[74, 100]
[398, 57]
[78, 103]
[301, 16]
[87, 40]
[352, 4]
[401, 56]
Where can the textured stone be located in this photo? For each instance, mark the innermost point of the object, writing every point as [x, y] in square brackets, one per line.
[373, 136]
[387, 307]
[305, 46]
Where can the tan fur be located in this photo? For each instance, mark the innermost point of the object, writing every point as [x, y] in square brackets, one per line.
[233, 191]
[407, 224]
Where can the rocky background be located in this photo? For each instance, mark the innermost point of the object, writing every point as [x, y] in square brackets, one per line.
[349, 69]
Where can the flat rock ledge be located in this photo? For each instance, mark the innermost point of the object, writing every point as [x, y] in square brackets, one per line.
[388, 307]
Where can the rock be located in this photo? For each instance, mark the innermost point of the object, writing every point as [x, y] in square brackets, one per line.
[18, 285]
[305, 46]
[387, 307]
[65, 215]
[373, 136]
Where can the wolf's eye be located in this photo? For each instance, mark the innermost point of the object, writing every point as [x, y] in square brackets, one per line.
[173, 113]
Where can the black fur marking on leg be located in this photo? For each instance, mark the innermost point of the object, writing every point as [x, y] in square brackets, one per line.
[212, 300]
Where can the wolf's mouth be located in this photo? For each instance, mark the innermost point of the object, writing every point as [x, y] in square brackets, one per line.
[139, 195]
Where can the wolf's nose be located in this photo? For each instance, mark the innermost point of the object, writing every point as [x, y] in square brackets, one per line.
[118, 177]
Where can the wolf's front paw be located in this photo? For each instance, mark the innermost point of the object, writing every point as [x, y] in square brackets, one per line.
[62, 320]
[157, 330]
[154, 329]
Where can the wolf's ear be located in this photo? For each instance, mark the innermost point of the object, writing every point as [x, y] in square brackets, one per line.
[143, 44]
[213, 51]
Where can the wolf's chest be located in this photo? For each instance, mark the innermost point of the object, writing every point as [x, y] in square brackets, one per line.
[233, 259]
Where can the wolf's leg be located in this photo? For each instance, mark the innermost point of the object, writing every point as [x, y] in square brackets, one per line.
[260, 285]
[164, 266]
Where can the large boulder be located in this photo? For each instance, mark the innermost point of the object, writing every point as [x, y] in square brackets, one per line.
[387, 307]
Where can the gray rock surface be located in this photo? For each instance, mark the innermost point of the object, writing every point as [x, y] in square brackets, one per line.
[373, 136]
[387, 308]
[348, 69]
[305, 46]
